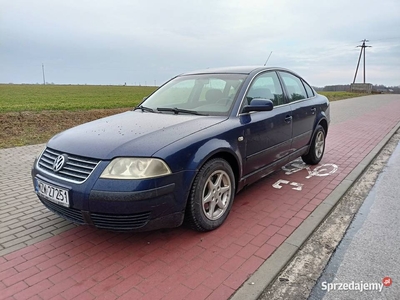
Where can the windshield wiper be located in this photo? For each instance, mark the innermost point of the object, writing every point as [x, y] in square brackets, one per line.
[176, 111]
[144, 108]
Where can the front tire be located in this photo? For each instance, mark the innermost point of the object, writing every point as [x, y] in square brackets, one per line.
[211, 196]
[317, 147]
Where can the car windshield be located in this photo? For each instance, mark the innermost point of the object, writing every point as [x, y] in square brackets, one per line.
[204, 94]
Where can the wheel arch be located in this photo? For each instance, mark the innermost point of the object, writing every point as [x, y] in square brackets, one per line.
[232, 161]
[226, 155]
[324, 123]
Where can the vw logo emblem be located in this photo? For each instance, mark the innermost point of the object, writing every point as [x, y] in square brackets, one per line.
[59, 162]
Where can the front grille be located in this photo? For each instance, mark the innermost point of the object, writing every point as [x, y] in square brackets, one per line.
[68, 213]
[76, 169]
[120, 222]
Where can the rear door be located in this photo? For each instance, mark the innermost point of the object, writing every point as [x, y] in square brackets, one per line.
[303, 108]
[267, 135]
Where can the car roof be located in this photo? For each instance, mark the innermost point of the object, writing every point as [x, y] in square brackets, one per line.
[230, 70]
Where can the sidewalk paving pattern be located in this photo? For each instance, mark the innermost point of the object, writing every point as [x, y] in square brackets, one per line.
[45, 257]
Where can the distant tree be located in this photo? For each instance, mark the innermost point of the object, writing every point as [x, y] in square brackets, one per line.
[337, 88]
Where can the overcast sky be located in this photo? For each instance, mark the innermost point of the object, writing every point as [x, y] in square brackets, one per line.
[149, 41]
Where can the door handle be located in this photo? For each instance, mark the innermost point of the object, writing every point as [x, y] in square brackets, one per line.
[288, 119]
[313, 110]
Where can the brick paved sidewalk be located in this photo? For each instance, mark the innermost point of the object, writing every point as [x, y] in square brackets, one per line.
[23, 219]
[85, 263]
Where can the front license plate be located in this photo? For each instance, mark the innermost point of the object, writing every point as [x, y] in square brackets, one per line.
[53, 193]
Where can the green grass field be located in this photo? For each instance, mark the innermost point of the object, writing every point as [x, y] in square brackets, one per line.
[333, 96]
[31, 97]
[17, 98]
[31, 114]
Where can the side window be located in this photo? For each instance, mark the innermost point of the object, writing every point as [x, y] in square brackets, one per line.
[294, 87]
[309, 90]
[266, 86]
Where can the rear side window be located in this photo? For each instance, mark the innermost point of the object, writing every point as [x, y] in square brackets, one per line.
[294, 87]
[309, 90]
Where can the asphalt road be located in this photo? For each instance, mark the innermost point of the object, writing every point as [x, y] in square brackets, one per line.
[368, 255]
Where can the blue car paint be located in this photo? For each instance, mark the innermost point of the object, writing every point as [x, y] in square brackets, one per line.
[133, 133]
[184, 142]
[103, 143]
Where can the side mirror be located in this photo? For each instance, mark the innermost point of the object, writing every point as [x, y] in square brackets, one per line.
[258, 105]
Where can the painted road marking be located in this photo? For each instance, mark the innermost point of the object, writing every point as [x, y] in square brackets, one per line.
[298, 165]
[277, 184]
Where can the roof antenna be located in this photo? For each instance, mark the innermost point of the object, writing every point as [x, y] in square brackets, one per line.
[268, 59]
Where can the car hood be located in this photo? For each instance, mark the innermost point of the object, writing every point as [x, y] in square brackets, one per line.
[132, 133]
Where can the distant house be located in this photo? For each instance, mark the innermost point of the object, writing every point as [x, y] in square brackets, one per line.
[361, 87]
[337, 88]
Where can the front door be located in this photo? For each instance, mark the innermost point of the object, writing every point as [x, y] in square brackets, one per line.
[267, 135]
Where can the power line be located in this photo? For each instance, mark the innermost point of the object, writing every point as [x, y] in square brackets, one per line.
[392, 38]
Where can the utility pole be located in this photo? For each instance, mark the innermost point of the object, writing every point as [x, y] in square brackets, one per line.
[363, 46]
[44, 79]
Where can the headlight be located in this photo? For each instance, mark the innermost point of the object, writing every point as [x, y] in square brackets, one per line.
[135, 168]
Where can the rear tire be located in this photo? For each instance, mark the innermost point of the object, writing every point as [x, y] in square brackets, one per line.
[211, 196]
[317, 147]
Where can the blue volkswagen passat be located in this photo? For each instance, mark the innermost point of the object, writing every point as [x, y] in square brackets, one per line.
[184, 152]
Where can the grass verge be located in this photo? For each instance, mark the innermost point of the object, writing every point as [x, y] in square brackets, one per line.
[334, 96]
[29, 128]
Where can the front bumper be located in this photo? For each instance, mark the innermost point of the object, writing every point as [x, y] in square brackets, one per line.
[131, 222]
[122, 205]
